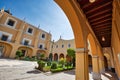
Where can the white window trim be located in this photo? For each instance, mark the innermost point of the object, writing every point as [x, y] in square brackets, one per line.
[27, 40]
[28, 32]
[5, 33]
[41, 36]
[42, 45]
[11, 19]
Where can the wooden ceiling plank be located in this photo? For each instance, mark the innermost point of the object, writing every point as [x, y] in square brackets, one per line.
[100, 13]
[102, 21]
[96, 8]
[101, 17]
[104, 24]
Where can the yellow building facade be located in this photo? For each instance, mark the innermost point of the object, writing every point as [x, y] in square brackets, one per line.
[59, 48]
[16, 34]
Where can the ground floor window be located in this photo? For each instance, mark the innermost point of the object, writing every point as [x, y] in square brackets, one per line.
[4, 37]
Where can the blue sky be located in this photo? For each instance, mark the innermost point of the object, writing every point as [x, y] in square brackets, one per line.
[44, 12]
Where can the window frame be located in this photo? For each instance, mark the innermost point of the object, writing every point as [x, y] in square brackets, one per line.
[10, 18]
[28, 29]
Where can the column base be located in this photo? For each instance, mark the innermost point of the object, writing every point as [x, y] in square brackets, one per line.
[96, 76]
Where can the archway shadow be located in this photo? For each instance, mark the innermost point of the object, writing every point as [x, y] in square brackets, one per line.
[71, 72]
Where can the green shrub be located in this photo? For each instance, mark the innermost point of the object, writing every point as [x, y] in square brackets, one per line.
[54, 65]
[57, 70]
[41, 64]
[19, 54]
[48, 63]
[27, 58]
[46, 68]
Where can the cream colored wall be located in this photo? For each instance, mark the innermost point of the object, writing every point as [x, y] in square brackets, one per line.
[19, 32]
[63, 50]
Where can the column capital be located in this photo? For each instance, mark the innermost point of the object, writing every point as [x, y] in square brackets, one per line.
[81, 50]
[95, 56]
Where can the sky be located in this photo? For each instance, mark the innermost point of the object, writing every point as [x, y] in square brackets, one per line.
[45, 13]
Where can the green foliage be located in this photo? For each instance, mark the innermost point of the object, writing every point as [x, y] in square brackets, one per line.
[71, 52]
[46, 68]
[62, 61]
[50, 56]
[41, 64]
[48, 63]
[19, 54]
[57, 70]
[27, 58]
[54, 65]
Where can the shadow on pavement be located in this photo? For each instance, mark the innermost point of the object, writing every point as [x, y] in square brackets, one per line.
[71, 72]
[33, 72]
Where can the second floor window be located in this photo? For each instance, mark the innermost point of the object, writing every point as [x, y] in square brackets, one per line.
[69, 45]
[11, 22]
[30, 30]
[26, 42]
[41, 46]
[4, 37]
[56, 46]
[62, 46]
[43, 36]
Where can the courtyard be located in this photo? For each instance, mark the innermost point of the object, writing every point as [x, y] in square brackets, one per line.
[25, 70]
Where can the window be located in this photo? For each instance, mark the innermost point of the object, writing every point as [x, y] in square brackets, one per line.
[43, 36]
[56, 46]
[41, 46]
[30, 30]
[62, 46]
[23, 51]
[26, 42]
[69, 45]
[4, 37]
[10, 22]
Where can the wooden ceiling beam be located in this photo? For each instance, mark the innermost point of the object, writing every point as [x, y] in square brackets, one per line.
[96, 8]
[99, 18]
[102, 21]
[98, 28]
[104, 24]
[100, 13]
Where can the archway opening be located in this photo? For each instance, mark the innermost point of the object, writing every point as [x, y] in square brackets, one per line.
[61, 56]
[55, 57]
[105, 63]
[5, 49]
[90, 63]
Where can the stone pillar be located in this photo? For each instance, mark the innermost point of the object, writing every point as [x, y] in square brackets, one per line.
[81, 64]
[96, 72]
[101, 66]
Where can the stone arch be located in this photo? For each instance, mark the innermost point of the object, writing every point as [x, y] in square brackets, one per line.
[55, 57]
[91, 44]
[61, 56]
[26, 50]
[107, 62]
[5, 49]
[73, 18]
[41, 52]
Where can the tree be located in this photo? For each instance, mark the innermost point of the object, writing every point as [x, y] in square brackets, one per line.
[50, 56]
[71, 53]
[42, 56]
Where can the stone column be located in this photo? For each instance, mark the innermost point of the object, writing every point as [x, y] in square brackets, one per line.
[101, 66]
[96, 72]
[82, 64]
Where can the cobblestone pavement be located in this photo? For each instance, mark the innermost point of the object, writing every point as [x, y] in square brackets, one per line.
[24, 70]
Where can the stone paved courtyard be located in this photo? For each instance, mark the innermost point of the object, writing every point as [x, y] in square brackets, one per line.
[24, 70]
